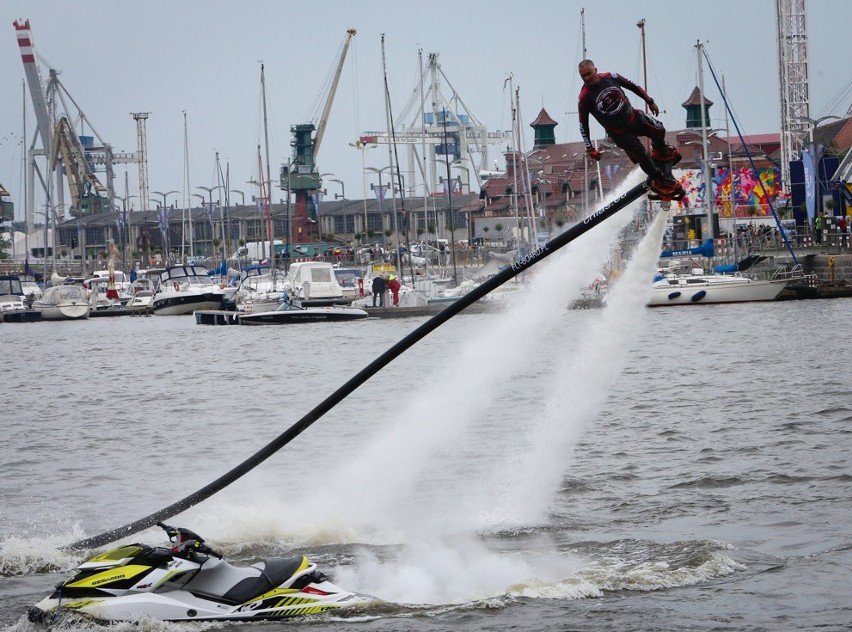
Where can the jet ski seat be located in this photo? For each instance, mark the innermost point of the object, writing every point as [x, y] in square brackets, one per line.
[272, 573]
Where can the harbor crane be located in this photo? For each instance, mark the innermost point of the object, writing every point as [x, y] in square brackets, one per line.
[301, 176]
[87, 192]
[444, 127]
[52, 103]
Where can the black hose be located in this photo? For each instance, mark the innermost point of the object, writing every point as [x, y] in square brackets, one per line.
[367, 372]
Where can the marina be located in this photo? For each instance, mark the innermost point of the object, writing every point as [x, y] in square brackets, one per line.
[638, 421]
[732, 526]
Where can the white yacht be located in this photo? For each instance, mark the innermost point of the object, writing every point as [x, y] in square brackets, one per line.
[184, 289]
[261, 289]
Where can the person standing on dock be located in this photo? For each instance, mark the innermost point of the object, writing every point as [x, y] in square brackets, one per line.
[379, 286]
[393, 286]
[819, 225]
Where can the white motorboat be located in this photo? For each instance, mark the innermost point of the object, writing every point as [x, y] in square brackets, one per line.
[15, 303]
[351, 281]
[261, 289]
[30, 287]
[699, 288]
[64, 302]
[184, 289]
[314, 283]
[100, 293]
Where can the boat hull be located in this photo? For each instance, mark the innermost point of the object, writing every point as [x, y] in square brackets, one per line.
[309, 315]
[182, 303]
[690, 291]
[71, 311]
[182, 605]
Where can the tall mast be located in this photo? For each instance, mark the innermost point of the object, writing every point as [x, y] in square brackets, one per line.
[187, 205]
[709, 202]
[269, 230]
[24, 174]
[390, 145]
[514, 154]
[641, 25]
[264, 196]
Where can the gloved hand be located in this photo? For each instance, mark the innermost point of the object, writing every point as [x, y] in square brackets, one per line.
[655, 109]
[594, 153]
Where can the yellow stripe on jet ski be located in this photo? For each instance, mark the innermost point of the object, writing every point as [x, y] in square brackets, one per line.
[111, 575]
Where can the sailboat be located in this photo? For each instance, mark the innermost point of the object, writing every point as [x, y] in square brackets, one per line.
[694, 285]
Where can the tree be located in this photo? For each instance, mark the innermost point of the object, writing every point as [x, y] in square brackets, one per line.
[499, 229]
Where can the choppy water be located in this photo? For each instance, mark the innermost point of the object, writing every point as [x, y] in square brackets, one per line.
[537, 469]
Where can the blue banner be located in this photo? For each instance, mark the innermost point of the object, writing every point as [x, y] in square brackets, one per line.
[808, 163]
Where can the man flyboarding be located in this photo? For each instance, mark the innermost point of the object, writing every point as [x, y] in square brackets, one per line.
[603, 97]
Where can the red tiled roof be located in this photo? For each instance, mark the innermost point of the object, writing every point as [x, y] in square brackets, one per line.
[844, 136]
[695, 98]
[543, 118]
[755, 139]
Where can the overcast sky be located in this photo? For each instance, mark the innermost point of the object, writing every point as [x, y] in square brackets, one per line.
[203, 58]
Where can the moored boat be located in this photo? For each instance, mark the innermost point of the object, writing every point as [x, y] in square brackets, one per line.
[15, 303]
[261, 289]
[699, 288]
[288, 313]
[184, 289]
[313, 283]
[64, 302]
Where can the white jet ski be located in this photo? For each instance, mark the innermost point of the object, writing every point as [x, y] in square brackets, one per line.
[189, 581]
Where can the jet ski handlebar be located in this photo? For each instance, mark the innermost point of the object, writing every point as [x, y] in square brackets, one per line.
[186, 541]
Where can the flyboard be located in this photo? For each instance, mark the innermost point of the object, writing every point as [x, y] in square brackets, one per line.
[367, 372]
[666, 167]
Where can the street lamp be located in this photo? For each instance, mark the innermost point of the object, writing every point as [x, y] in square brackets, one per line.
[242, 196]
[815, 123]
[457, 164]
[165, 195]
[165, 207]
[361, 147]
[381, 197]
[342, 189]
[210, 193]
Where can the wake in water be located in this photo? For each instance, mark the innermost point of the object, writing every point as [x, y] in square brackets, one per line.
[448, 466]
[517, 486]
[411, 466]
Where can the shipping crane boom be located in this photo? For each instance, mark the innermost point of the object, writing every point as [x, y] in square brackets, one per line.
[25, 43]
[327, 109]
[81, 179]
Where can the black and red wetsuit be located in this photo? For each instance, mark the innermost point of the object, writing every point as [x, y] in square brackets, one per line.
[611, 108]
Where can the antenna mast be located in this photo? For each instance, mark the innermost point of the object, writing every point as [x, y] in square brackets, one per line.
[793, 82]
[142, 156]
